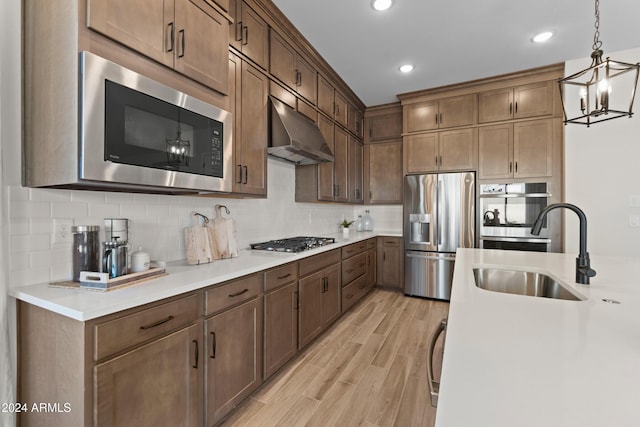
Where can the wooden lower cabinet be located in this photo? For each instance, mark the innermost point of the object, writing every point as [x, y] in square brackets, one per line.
[281, 327]
[319, 303]
[390, 262]
[158, 384]
[233, 358]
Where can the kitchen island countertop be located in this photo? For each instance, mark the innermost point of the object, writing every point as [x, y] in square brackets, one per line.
[83, 304]
[513, 360]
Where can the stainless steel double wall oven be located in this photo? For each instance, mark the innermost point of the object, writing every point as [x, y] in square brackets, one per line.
[508, 212]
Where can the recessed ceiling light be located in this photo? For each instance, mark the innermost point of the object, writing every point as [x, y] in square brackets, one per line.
[542, 37]
[406, 68]
[381, 4]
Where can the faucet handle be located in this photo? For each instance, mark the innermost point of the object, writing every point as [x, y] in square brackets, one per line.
[587, 271]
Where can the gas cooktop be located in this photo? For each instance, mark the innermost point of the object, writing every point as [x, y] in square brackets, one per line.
[293, 244]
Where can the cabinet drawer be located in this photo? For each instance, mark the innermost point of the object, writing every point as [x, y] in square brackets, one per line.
[354, 267]
[371, 243]
[279, 276]
[353, 292]
[351, 250]
[317, 262]
[233, 293]
[393, 242]
[136, 328]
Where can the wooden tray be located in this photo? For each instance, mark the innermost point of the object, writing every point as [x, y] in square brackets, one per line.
[102, 282]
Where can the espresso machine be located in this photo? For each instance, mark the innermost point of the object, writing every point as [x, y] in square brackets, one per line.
[115, 258]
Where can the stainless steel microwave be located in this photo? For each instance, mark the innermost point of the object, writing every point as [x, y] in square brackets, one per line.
[136, 131]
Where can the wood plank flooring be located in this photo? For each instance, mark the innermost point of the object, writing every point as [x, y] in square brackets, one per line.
[368, 369]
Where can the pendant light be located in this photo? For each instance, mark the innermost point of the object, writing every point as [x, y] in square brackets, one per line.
[587, 96]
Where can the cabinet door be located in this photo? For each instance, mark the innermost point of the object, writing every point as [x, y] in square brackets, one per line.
[457, 150]
[355, 119]
[306, 84]
[457, 111]
[495, 152]
[310, 307]
[385, 127]
[325, 96]
[233, 356]
[495, 105]
[421, 116]
[533, 100]
[341, 165]
[371, 268]
[326, 187]
[331, 297]
[355, 154]
[120, 20]
[420, 153]
[254, 36]
[202, 44]
[390, 262]
[251, 150]
[341, 109]
[385, 173]
[158, 384]
[532, 148]
[282, 60]
[280, 327]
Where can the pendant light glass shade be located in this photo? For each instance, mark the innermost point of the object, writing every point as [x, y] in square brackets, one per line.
[604, 91]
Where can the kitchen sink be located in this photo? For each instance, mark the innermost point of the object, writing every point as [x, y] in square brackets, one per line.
[520, 282]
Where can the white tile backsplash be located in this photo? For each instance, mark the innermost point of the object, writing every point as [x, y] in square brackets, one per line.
[157, 221]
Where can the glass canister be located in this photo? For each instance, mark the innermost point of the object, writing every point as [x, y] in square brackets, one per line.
[86, 249]
[359, 226]
[367, 221]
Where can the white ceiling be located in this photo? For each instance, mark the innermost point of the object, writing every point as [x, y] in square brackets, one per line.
[452, 41]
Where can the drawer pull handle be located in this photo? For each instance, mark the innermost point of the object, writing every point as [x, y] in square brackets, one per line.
[158, 323]
[245, 290]
[284, 277]
[195, 365]
[213, 345]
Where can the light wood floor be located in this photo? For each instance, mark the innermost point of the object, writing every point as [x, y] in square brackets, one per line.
[368, 369]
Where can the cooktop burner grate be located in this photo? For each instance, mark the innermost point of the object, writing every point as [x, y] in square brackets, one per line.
[293, 244]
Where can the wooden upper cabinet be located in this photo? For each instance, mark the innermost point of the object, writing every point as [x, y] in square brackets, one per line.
[441, 151]
[340, 165]
[421, 153]
[325, 96]
[325, 170]
[251, 129]
[531, 100]
[355, 120]
[250, 33]
[355, 156]
[383, 162]
[518, 150]
[442, 113]
[341, 109]
[383, 125]
[291, 68]
[189, 36]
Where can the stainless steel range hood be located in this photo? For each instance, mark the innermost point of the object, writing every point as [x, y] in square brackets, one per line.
[296, 138]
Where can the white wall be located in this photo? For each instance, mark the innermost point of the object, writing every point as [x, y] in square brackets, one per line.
[26, 235]
[602, 171]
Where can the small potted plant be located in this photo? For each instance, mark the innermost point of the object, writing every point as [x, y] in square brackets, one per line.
[345, 227]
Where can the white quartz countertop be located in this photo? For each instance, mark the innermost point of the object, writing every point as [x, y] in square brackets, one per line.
[83, 304]
[512, 360]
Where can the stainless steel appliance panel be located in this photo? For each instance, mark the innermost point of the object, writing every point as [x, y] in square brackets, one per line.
[420, 215]
[456, 215]
[429, 274]
[94, 169]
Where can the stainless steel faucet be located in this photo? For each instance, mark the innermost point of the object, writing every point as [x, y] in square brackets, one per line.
[583, 267]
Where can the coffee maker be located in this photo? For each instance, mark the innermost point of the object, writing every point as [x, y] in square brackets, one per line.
[115, 258]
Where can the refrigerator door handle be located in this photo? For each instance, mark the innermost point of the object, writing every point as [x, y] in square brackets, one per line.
[439, 214]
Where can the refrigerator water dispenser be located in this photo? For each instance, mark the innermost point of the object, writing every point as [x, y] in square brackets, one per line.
[420, 227]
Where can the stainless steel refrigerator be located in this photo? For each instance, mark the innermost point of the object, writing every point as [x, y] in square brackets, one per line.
[439, 217]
